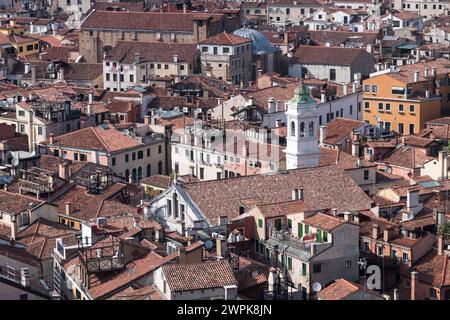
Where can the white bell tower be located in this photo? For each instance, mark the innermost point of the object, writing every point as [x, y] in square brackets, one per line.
[302, 148]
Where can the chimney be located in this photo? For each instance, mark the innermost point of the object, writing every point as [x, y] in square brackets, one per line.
[396, 294]
[374, 231]
[147, 120]
[61, 74]
[440, 244]
[259, 73]
[5, 187]
[433, 71]
[354, 87]
[323, 97]
[33, 74]
[50, 137]
[137, 58]
[328, 44]
[322, 134]
[24, 277]
[69, 208]
[175, 58]
[416, 76]
[355, 144]
[414, 284]
[272, 279]
[14, 229]
[443, 162]
[412, 200]
[64, 170]
[184, 8]
[182, 255]
[345, 89]
[387, 233]
[427, 94]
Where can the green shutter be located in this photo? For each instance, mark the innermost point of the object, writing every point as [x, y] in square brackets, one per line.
[260, 223]
[300, 230]
[306, 229]
[289, 260]
[289, 223]
[319, 235]
[303, 268]
[325, 236]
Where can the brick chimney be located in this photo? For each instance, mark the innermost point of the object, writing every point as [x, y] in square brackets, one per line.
[440, 244]
[182, 255]
[69, 208]
[375, 231]
[414, 284]
[64, 170]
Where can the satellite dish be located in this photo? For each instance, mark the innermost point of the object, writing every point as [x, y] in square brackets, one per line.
[15, 158]
[126, 132]
[316, 287]
[410, 216]
[209, 244]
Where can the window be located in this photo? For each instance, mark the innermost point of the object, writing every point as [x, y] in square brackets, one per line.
[40, 130]
[380, 250]
[131, 78]
[366, 105]
[400, 128]
[388, 107]
[351, 109]
[289, 221]
[374, 88]
[317, 268]
[20, 49]
[226, 50]
[288, 11]
[289, 263]
[24, 296]
[36, 46]
[202, 173]
[21, 113]
[303, 269]
[140, 154]
[113, 161]
[302, 129]
[348, 263]
[107, 77]
[411, 128]
[114, 77]
[166, 66]
[149, 170]
[292, 129]
[311, 128]
[367, 88]
[401, 108]
[160, 149]
[127, 158]
[366, 174]
[133, 156]
[160, 167]
[325, 236]
[152, 66]
[432, 293]
[405, 257]
[380, 106]
[83, 157]
[306, 229]
[332, 74]
[300, 230]
[411, 108]
[398, 90]
[260, 223]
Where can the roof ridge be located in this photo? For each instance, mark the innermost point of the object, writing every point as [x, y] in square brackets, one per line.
[100, 138]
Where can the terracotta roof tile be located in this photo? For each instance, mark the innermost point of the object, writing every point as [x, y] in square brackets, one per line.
[184, 277]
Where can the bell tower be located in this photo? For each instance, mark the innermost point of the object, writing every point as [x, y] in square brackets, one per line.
[302, 148]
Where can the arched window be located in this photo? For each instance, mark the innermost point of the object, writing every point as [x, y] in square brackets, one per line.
[139, 173]
[302, 129]
[149, 170]
[160, 167]
[127, 174]
[134, 175]
[311, 128]
[292, 129]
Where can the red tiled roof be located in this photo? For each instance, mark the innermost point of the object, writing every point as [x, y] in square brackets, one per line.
[184, 277]
[225, 39]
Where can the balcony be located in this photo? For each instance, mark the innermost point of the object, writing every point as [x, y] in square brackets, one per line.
[106, 255]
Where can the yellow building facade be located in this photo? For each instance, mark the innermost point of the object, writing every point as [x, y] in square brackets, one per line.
[404, 98]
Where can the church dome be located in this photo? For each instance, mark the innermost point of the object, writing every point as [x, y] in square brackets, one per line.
[260, 43]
